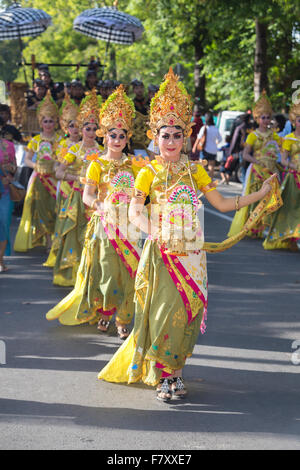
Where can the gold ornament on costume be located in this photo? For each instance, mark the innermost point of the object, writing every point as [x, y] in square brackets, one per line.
[262, 106]
[89, 109]
[171, 106]
[47, 108]
[68, 112]
[116, 113]
[294, 112]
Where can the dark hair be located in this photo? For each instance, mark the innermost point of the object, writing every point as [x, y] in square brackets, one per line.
[176, 127]
[39, 82]
[4, 107]
[113, 128]
[209, 120]
[137, 82]
[1, 122]
[281, 121]
[88, 123]
[43, 67]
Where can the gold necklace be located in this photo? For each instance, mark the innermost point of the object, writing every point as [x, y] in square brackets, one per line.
[113, 165]
[181, 164]
[175, 166]
[48, 139]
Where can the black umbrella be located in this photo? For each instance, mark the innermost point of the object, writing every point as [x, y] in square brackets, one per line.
[17, 22]
[109, 25]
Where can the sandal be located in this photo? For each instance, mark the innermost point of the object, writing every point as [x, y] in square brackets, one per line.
[122, 331]
[178, 388]
[103, 325]
[164, 389]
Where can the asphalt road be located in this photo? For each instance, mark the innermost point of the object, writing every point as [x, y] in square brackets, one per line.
[243, 378]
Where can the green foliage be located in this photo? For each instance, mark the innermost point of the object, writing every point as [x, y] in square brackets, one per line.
[10, 56]
[225, 30]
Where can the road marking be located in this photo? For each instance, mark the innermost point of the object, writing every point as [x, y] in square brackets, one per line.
[219, 214]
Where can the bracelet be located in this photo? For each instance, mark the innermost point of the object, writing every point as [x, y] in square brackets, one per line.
[94, 202]
[237, 202]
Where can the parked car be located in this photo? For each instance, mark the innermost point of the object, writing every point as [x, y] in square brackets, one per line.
[225, 122]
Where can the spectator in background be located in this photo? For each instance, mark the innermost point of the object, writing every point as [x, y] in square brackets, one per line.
[8, 131]
[91, 80]
[238, 137]
[106, 88]
[139, 99]
[8, 168]
[38, 92]
[77, 91]
[213, 136]
[198, 123]
[152, 89]
[57, 89]
[225, 170]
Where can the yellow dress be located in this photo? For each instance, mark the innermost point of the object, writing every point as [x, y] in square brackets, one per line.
[284, 229]
[38, 217]
[105, 277]
[63, 189]
[265, 147]
[73, 215]
[171, 281]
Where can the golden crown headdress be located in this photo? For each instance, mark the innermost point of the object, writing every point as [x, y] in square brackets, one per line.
[68, 112]
[89, 109]
[117, 112]
[262, 106]
[294, 112]
[47, 108]
[171, 106]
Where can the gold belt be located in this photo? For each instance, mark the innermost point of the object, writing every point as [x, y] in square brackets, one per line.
[45, 167]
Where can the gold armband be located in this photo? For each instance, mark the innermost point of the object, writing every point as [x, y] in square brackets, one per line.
[139, 194]
[210, 187]
[237, 202]
[88, 181]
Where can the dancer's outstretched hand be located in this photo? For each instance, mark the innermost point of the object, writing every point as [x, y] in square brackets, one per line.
[266, 187]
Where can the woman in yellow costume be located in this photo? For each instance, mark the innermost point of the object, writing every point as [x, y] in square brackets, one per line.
[171, 281]
[38, 217]
[284, 231]
[67, 120]
[261, 150]
[74, 215]
[105, 278]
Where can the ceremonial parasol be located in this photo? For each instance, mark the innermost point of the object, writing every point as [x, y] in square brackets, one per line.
[109, 25]
[17, 22]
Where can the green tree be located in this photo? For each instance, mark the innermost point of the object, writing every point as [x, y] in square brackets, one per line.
[10, 54]
[214, 41]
